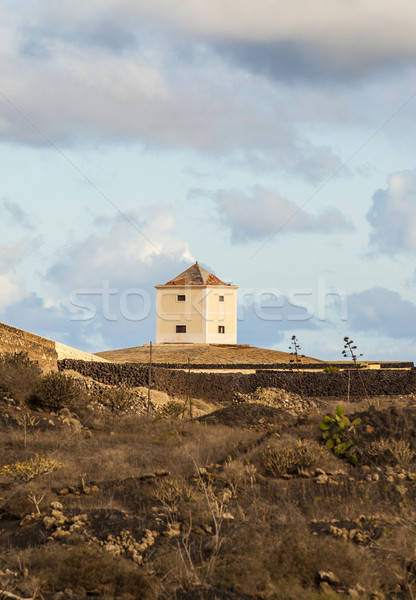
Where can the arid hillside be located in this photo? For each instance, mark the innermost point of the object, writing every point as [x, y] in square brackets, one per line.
[273, 496]
[201, 353]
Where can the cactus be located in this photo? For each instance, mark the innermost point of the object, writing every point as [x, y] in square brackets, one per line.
[340, 434]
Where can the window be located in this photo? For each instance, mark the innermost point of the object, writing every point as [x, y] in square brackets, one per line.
[221, 329]
[181, 298]
[180, 328]
[221, 298]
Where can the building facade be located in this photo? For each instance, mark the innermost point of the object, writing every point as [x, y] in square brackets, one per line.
[196, 307]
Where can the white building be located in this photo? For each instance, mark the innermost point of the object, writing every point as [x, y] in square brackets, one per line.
[196, 307]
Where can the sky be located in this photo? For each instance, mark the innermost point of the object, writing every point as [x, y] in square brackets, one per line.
[273, 142]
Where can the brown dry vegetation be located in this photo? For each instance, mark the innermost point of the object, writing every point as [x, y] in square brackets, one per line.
[202, 353]
[248, 504]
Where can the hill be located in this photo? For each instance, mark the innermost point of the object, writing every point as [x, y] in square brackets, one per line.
[103, 496]
[202, 354]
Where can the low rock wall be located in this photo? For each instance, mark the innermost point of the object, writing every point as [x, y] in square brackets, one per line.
[285, 366]
[129, 374]
[377, 383]
[222, 386]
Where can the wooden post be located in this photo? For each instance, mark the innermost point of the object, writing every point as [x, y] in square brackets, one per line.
[189, 388]
[349, 383]
[149, 379]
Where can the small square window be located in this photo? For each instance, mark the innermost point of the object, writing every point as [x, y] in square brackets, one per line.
[221, 329]
[181, 297]
[180, 328]
[221, 298]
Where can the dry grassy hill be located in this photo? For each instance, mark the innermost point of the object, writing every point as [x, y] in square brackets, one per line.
[201, 353]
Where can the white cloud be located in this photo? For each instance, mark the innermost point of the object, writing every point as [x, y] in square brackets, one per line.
[114, 270]
[12, 287]
[153, 96]
[117, 257]
[392, 215]
[129, 252]
[263, 212]
[69, 77]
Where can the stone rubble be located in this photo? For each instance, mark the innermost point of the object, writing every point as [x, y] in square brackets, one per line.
[278, 398]
[126, 545]
[62, 526]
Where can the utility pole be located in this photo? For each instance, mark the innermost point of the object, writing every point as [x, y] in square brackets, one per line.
[149, 379]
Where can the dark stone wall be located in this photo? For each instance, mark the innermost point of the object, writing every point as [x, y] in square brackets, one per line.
[129, 374]
[207, 386]
[222, 386]
[285, 366]
[377, 383]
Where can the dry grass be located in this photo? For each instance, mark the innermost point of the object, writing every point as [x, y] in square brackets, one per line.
[222, 524]
[18, 376]
[201, 353]
[283, 564]
[91, 569]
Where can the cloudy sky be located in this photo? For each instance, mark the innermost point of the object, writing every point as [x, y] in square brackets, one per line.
[273, 142]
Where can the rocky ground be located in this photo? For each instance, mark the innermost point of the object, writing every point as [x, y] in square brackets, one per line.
[240, 501]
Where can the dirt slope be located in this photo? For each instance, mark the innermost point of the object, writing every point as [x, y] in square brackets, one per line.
[201, 353]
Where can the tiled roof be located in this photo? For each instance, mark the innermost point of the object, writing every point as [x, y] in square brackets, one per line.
[196, 275]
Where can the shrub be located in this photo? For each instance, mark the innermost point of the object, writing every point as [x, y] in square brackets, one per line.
[172, 410]
[174, 493]
[390, 450]
[29, 469]
[119, 399]
[55, 391]
[18, 375]
[339, 433]
[260, 564]
[330, 369]
[92, 568]
[18, 503]
[279, 461]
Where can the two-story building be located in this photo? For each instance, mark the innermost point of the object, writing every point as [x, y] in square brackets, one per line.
[196, 307]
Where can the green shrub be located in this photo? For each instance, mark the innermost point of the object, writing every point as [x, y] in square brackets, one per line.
[339, 433]
[55, 391]
[279, 461]
[18, 375]
[330, 369]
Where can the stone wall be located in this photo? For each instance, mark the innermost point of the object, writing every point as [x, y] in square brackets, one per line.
[377, 383]
[285, 366]
[130, 374]
[38, 348]
[222, 386]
